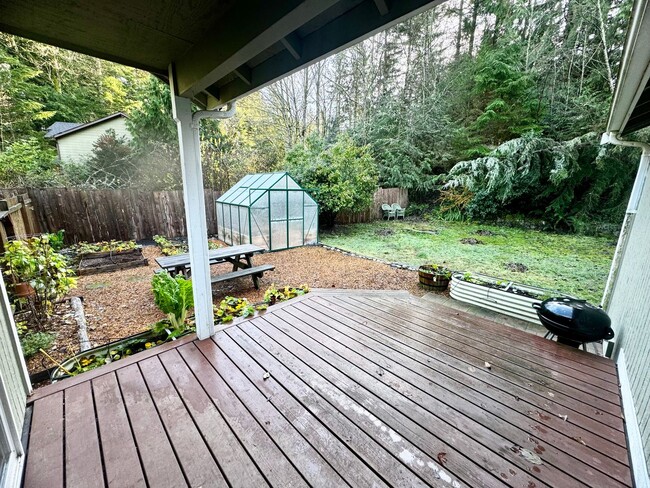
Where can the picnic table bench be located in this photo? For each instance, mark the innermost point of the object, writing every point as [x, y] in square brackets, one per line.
[239, 256]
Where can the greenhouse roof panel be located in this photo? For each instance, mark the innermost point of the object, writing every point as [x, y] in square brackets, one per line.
[251, 187]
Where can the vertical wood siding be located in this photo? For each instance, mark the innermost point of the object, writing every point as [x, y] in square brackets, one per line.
[630, 312]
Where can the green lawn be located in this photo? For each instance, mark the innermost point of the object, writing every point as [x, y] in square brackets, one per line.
[574, 264]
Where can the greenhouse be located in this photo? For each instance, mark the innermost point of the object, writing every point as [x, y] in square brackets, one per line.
[270, 210]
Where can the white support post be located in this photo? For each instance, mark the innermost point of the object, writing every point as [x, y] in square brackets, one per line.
[197, 231]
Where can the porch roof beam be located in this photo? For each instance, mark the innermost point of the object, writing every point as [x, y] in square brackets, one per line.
[250, 28]
[361, 22]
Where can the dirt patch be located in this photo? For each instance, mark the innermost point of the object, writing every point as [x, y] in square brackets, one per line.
[63, 325]
[471, 241]
[516, 267]
[384, 232]
[120, 303]
[485, 233]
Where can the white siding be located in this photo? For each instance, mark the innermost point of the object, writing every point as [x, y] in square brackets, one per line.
[78, 146]
[629, 309]
[12, 372]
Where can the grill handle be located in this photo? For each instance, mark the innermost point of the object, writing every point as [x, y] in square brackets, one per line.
[536, 305]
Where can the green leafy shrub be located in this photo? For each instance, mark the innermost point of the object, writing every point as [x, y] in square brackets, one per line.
[34, 261]
[31, 342]
[173, 296]
[341, 177]
[564, 183]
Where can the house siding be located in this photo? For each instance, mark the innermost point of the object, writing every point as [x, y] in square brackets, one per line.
[77, 146]
[629, 310]
[12, 373]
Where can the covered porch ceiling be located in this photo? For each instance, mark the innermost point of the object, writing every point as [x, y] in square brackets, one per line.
[220, 50]
[630, 109]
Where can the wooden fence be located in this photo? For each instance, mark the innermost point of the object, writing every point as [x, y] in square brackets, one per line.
[383, 195]
[97, 215]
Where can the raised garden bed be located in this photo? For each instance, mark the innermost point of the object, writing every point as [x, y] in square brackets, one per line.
[106, 261]
[506, 297]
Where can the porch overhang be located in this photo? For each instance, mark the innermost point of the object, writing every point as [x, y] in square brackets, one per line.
[220, 50]
[630, 110]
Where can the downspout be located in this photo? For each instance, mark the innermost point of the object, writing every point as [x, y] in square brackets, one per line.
[630, 213]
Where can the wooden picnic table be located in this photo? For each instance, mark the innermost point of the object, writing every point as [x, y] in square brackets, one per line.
[239, 256]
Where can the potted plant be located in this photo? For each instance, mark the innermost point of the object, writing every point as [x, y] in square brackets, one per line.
[434, 277]
[19, 263]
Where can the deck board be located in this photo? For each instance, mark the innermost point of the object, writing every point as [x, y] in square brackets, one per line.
[363, 389]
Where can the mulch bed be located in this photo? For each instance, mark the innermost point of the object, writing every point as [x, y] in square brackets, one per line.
[66, 344]
[120, 303]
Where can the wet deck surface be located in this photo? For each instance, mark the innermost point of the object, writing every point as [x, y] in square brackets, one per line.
[338, 389]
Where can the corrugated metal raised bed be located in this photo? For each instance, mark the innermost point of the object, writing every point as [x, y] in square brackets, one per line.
[506, 297]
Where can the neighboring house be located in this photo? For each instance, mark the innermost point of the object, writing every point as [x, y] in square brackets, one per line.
[74, 141]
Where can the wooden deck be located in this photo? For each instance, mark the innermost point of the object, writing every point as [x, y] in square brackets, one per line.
[338, 389]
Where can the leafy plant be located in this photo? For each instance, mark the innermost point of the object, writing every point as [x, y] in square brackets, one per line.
[56, 239]
[273, 295]
[167, 247]
[231, 307]
[438, 270]
[83, 248]
[35, 261]
[173, 296]
[31, 342]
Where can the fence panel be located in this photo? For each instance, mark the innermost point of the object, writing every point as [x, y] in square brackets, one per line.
[382, 195]
[96, 215]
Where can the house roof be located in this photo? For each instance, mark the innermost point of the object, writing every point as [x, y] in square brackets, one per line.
[58, 127]
[219, 50]
[78, 127]
[630, 110]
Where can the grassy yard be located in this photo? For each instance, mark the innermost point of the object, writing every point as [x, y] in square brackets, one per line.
[574, 264]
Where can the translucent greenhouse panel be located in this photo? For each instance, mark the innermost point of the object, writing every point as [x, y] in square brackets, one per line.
[260, 226]
[258, 198]
[278, 235]
[219, 212]
[295, 204]
[311, 224]
[295, 233]
[281, 183]
[291, 184]
[278, 205]
[227, 231]
[245, 228]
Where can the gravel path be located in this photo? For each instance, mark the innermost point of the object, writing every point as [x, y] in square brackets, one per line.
[121, 303]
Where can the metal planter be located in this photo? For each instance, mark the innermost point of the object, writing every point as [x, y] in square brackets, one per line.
[500, 300]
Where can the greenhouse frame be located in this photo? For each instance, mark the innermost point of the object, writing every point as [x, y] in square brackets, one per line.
[270, 210]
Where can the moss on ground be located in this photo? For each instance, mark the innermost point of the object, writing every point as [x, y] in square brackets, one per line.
[574, 264]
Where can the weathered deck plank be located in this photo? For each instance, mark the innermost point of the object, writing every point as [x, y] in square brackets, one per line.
[362, 390]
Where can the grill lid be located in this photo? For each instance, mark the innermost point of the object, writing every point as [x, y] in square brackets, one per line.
[574, 319]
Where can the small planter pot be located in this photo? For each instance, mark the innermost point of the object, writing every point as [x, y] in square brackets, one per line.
[433, 280]
[506, 297]
[24, 290]
[124, 348]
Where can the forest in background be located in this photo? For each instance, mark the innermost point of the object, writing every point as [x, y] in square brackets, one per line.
[481, 109]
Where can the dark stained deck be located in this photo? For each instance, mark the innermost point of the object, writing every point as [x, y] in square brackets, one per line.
[365, 389]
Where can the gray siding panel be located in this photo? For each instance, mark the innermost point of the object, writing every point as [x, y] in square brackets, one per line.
[630, 312]
[11, 364]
